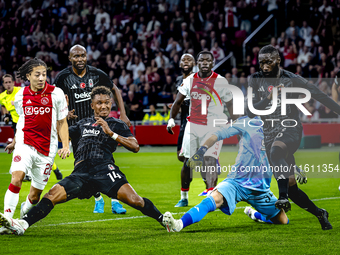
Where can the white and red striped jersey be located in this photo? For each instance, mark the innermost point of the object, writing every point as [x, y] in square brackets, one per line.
[206, 93]
[38, 115]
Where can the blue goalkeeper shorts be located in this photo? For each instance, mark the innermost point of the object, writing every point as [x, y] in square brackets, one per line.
[262, 201]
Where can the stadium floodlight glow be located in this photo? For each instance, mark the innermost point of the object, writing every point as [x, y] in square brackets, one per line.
[238, 101]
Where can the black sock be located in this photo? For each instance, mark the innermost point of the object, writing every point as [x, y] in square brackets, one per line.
[38, 212]
[283, 187]
[150, 210]
[97, 195]
[301, 199]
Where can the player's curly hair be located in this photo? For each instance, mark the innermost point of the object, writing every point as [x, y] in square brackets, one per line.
[100, 90]
[28, 66]
[269, 49]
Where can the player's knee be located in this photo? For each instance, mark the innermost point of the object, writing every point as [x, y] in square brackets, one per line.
[34, 198]
[292, 181]
[180, 158]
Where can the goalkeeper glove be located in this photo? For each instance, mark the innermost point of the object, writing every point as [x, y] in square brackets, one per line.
[301, 176]
[197, 159]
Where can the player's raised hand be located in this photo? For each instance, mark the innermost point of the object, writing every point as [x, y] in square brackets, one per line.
[10, 147]
[101, 122]
[125, 119]
[196, 161]
[171, 124]
[64, 152]
[71, 115]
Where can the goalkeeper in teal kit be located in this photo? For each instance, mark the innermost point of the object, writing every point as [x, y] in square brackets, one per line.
[249, 179]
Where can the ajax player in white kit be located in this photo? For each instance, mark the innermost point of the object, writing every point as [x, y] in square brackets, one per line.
[42, 111]
[208, 91]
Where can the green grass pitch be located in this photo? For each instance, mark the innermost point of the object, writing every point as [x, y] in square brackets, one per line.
[72, 228]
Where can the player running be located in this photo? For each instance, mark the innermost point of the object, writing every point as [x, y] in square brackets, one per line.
[77, 82]
[214, 88]
[42, 111]
[95, 168]
[7, 99]
[187, 63]
[282, 142]
[248, 180]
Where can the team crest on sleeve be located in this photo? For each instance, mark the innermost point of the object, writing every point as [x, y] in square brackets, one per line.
[17, 158]
[111, 167]
[90, 83]
[44, 100]
[270, 88]
[82, 85]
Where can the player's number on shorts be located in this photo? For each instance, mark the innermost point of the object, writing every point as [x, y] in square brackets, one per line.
[114, 176]
[48, 169]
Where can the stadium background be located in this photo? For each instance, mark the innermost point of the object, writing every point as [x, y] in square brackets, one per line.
[151, 35]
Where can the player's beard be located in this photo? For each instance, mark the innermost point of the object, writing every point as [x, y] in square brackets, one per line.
[273, 73]
[186, 72]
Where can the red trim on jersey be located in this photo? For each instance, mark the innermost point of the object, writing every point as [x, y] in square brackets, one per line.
[13, 188]
[38, 118]
[195, 96]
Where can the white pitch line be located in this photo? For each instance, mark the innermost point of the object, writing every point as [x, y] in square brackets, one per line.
[140, 217]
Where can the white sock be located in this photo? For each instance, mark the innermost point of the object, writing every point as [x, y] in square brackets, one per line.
[98, 198]
[27, 206]
[184, 194]
[11, 200]
[114, 200]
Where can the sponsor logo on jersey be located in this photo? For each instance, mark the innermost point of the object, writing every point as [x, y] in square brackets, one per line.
[29, 101]
[82, 85]
[17, 158]
[82, 96]
[74, 86]
[270, 88]
[91, 132]
[196, 95]
[94, 125]
[87, 124]
[90, 83]
[44, 100]
[261, 89]
[30, 110]
[8, 210]
[111, 167]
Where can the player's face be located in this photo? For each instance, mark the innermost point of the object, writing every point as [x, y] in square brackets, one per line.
[101, 105]
[8, 84]
[78, 58]
[37, 78]
[269, 64]
[187, 63]
[205, 63]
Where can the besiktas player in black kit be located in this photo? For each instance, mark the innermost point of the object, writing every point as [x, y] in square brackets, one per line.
[282, 142]
[95, 168]
[77, 82]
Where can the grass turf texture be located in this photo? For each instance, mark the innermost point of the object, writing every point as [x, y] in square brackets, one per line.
[72, 228]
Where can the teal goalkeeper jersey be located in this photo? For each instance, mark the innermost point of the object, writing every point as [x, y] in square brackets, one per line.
[251, 169]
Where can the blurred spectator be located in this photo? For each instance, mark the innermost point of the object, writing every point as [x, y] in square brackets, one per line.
[153, 117]
[135, 66]
[217, 52]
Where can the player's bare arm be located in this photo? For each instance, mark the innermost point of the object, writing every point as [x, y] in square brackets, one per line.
[62, 127]
[119, 100]
[174, 111]
[130, 143]
[335, 92]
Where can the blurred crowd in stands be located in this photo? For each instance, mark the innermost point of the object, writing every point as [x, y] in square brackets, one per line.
[138, 43]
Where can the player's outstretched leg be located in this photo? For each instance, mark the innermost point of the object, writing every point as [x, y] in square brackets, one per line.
[128, 195]
[186, 178]
[255, 215]
[57, 172]
[195, 214]
[301, 199]
[210, 175]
